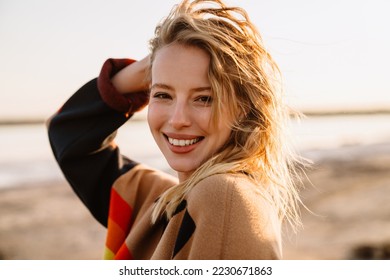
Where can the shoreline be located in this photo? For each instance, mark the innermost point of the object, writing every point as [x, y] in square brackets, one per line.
[31, 173]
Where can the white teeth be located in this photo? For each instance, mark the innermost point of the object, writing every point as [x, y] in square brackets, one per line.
[181, 142]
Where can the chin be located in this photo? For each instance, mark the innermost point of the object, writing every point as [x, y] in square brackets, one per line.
[183, 167]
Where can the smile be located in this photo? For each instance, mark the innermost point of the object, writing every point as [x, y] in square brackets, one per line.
[182, 142]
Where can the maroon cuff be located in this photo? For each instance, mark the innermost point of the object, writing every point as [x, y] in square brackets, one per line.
[124, 103]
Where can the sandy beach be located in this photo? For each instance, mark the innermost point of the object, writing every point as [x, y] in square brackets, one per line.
[348, 196]
[348, 193]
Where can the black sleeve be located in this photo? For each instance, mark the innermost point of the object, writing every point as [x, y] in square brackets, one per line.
[81, 136]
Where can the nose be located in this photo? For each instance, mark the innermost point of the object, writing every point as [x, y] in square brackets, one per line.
[180, 115]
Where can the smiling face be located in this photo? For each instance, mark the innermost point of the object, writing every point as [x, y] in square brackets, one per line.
[179, 112]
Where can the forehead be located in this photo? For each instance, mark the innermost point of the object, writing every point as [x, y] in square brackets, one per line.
[180, 64]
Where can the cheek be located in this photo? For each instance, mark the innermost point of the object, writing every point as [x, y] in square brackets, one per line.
[222, 132]
[203, 119]
[154, 117]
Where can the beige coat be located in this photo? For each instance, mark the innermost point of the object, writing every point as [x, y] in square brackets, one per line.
[223, 217]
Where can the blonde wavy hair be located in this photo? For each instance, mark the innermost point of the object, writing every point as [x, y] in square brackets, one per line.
[245, 77]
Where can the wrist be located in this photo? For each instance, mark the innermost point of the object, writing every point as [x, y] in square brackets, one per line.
[132, 78]
[129, 98]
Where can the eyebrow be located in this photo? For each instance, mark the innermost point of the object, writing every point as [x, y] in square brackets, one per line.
[168, 87]
[162, 86]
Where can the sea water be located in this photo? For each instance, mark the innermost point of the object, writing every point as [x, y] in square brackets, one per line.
[26, 157]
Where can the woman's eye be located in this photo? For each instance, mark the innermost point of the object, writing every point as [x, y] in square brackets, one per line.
[161, 95]
[205, 99]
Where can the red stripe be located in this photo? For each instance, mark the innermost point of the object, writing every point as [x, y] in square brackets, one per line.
[120, 211]
[119, 224]
[123, 253]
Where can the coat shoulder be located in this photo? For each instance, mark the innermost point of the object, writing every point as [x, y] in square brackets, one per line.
[247, 221]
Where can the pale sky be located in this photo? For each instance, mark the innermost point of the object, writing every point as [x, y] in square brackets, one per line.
[333, 54]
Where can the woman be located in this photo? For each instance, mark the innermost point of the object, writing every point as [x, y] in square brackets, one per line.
[216, 113]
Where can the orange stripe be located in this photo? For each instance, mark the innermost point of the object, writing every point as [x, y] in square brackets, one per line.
[120, 211]
[115, 236]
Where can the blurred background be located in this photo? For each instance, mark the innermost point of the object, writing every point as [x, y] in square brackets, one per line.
[334, 58]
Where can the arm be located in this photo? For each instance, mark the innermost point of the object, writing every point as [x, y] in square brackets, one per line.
[81, 134]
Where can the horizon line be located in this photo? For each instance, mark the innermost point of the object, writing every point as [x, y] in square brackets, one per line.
[308, 113]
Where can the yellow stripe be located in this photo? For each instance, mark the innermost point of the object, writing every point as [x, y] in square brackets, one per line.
[108, 254]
